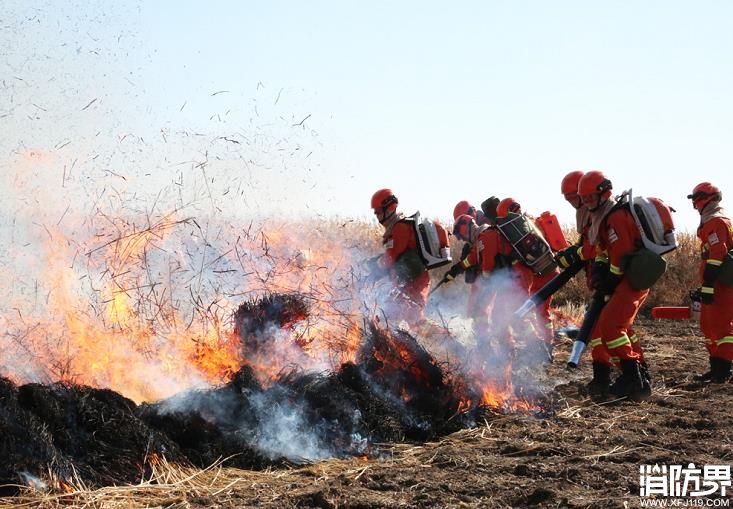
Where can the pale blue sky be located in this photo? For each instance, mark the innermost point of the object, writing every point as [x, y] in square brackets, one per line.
[438, 102]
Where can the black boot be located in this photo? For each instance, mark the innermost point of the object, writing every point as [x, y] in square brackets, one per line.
[646, 378]
[720, 371]
[601, 380]
[631, 384]
[708, 375]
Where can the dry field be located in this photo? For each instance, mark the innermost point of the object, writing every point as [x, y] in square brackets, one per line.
[580, 453]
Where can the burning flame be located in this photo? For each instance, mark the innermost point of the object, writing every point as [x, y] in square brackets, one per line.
[147, 311]
[143, 305]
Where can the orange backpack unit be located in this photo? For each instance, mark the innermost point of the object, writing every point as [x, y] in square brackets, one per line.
[550, 228]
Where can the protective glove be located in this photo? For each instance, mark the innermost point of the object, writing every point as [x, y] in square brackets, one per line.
[568, 256]
[696, 295]
[598, 272]
[609, 283]
[375, 271]
[709, 276]
[372, 263]
[454, 271]
[707, 294]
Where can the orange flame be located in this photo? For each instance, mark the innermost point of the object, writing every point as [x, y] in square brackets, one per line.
[116, 318]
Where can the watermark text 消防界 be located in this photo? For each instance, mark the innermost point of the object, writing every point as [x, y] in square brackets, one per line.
[684, 486]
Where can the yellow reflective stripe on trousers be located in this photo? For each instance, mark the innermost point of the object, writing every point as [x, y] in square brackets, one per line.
[715, 262]
[726, 340]
[707, 289]
[596, 342]
[623, 340]
[466, 263]
[616, 270]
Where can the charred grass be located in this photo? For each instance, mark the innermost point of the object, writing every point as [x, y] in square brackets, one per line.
[585, 454]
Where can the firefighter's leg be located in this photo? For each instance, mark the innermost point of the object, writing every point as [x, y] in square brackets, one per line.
[709, 329]
[532, 330]
[721, 333]
[637, 347]
[407, 301]
[548, 326]
[636, 344]
[542, 330]
[477, 309]
[502, 334]
[483, 294]
[601, 382]
[474, 304]
[598, 352]
[615, 322]
[544, 322]
[492, 359]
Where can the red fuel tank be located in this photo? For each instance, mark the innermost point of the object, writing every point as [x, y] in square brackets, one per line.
[548, 223]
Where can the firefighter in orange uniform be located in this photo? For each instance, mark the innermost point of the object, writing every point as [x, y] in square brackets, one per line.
[465, 207]
[614, 231]
[492, 253]
[716, 318]
[533, 282]
[401, 260]
[475, 308]
[583, 250]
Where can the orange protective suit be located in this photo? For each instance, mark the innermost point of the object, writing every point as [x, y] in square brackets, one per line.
[409, 297]
[716, 319]
[543, 319]
[508, 288]
[587, 252]
[619, 236]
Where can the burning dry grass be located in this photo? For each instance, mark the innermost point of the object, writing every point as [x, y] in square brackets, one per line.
[397, 391]
[140, 328]
[155, 298]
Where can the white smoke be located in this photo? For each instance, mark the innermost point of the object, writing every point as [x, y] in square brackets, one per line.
[285, 431]
[32, 481]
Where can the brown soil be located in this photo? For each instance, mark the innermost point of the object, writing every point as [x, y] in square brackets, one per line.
[587, 455]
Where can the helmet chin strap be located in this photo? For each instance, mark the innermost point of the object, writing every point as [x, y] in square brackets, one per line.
[473, 234]
[386, 216]
[709, 205]
[601, 201]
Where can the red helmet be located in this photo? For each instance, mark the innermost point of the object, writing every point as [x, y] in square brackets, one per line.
[463, 207]
[384, 200]
[594, 182]
[508, 205]
[703, 194]
[570, 181]
[463, 227]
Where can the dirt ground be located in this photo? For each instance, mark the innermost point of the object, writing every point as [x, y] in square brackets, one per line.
[586, 455]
